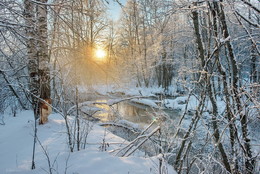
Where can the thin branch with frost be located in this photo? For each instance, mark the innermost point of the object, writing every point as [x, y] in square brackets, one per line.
[142, 142]
[66, 164]
[247, 20]
[246, 30]
[42, 100]
[2, 120]
[50, 166]
[119, 125]
[13, 90]
[131, 144]
[251, 5]
[116, 101]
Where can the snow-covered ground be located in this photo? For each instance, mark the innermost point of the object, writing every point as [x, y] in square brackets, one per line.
[146, 102]
[16, 144]
[179, 103]
[126, 91]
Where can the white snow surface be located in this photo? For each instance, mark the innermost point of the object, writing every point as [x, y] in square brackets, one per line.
[146, 102]
[16, 144]
[180, 103]
[126, 91]
[130, 124]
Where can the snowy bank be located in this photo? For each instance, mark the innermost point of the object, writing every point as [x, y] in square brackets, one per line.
[16, 141]
[146, 102]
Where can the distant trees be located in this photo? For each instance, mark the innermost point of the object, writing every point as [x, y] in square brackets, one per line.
[155, 47]
[146, 40]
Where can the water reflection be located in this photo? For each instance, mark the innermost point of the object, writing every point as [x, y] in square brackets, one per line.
[106, 114]
[125, 110]
[134, 112]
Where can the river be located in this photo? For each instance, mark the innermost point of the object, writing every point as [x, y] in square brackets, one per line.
[136, 113]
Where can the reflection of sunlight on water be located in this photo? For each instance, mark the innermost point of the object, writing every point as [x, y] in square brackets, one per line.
[105, 115]
[125, 110]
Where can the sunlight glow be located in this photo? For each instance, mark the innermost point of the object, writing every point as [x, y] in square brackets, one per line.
[100, 54]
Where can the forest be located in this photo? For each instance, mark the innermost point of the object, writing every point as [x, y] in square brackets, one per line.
[176, 82]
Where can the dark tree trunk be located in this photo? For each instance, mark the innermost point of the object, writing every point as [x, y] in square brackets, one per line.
[249, 161]
[205, 78]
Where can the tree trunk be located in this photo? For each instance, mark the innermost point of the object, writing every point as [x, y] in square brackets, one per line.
[222, 72]
[249, 161]
[44, 70]
[29, 9]
[205, 77]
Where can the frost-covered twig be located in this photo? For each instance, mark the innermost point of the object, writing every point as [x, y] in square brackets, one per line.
[47, 157]
[142, 142]
[119, 125]
[66, 166]
[131, 144]
[2, 120]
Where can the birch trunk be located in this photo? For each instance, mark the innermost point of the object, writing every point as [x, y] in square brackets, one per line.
[29, 15]
[29, 9]
[44, 70]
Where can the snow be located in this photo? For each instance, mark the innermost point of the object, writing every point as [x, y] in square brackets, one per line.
[16, 142]
[122, 90]
[146, 102]
[130, 124]
[90, 110]
[179, 103]
[111, 102]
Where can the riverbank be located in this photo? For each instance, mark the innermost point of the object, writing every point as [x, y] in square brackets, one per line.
[16, 141]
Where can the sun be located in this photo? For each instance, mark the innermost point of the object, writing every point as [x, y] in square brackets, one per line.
[100, 54]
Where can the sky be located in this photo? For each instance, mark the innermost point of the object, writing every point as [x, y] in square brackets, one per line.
[115, 9]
